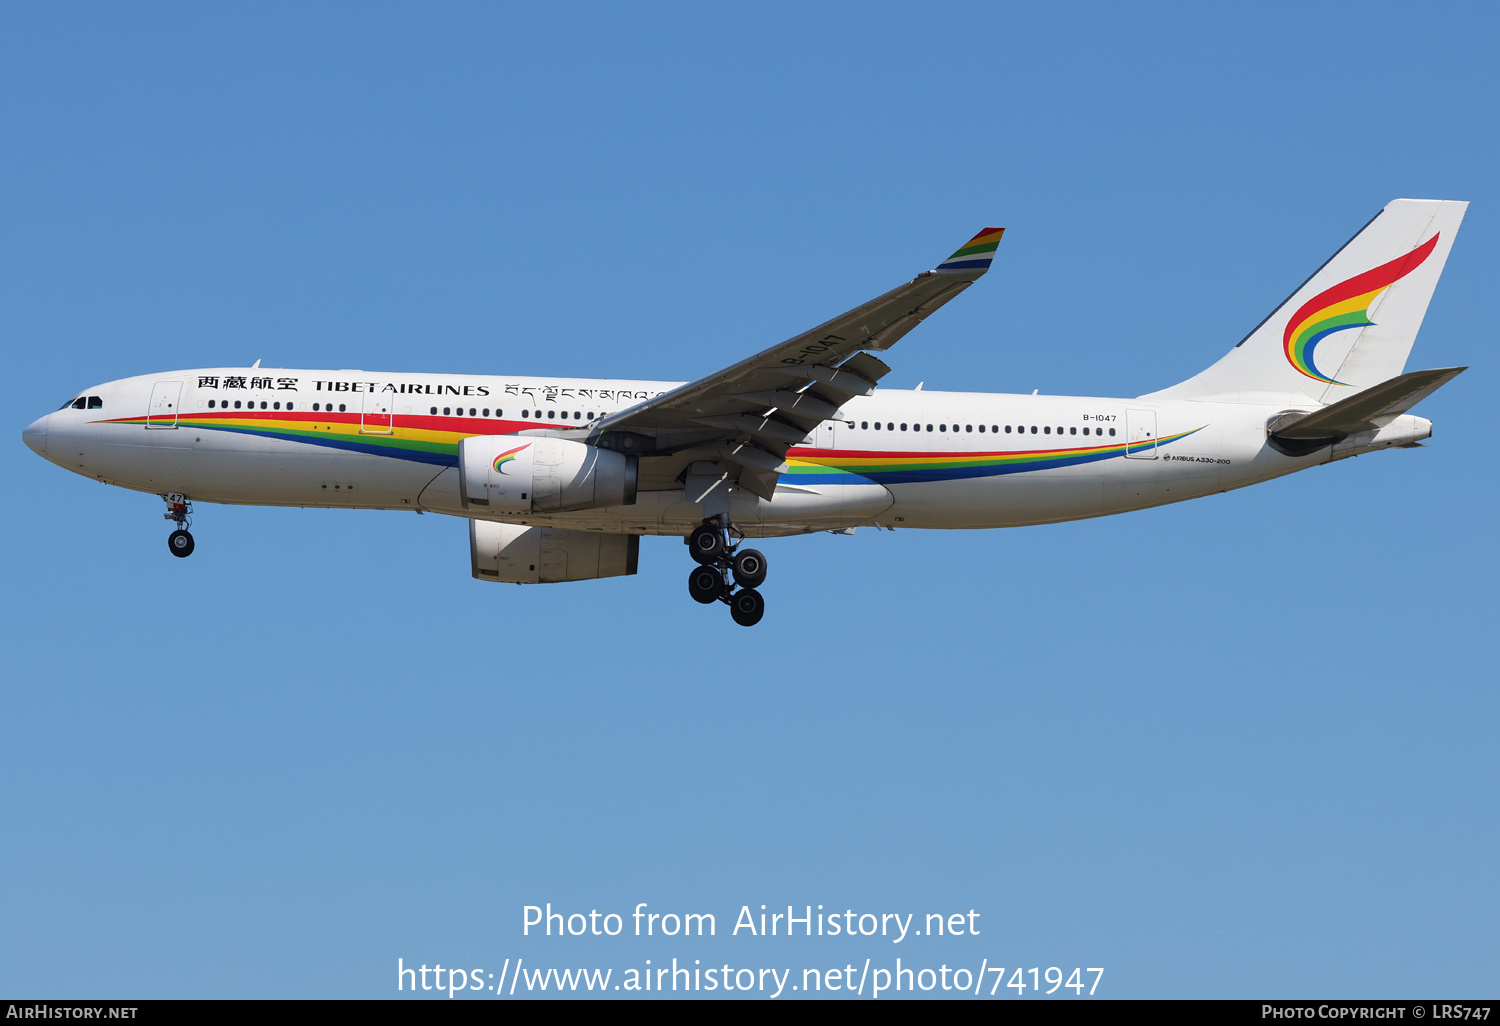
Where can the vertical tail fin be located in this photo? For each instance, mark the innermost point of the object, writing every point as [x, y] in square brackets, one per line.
[1351, 325]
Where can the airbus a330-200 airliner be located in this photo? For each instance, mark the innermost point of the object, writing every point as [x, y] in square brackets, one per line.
[559, 477]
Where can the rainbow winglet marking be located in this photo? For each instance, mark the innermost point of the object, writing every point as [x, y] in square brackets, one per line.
[1346, 305]
[976, 254]
[506, 457]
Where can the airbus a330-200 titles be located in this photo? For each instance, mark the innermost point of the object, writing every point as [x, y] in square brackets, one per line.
[560, 477]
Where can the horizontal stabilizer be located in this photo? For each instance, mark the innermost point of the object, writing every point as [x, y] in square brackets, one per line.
[1371, 409]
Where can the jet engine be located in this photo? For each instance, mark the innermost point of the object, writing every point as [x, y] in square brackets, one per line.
[513, 554]
[515, 475]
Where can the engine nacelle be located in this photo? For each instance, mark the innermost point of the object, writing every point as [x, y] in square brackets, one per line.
[513, 554]
[516, 475]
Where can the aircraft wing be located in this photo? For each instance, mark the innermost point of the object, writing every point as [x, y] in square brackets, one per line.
[748, 415]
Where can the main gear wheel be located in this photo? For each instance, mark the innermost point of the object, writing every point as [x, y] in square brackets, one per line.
[720, 561]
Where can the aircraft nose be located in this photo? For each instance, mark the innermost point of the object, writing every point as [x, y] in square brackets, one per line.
[35, 437]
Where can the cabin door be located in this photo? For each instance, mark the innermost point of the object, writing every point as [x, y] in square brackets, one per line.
[1140, 434]
[166, 396]
[375, 415]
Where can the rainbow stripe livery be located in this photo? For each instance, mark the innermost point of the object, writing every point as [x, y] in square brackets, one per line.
[976, 254]
[507, 456]
[420, 439]
[435, 440]
[827, 466]
[1345, 305]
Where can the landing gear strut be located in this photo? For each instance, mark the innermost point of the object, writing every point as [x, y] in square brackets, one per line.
[718, 560]
[180, 512]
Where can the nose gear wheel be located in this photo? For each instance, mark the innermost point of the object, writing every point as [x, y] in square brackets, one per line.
[180, 512]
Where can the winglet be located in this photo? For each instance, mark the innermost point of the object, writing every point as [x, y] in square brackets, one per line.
[976, 254]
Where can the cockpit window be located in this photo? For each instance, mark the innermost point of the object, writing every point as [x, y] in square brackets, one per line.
[96, 402]
[65, 405]
[80, 403]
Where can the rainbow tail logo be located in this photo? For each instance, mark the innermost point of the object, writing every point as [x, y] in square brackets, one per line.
[1346, 305]
[1304, 352]
[507, 456]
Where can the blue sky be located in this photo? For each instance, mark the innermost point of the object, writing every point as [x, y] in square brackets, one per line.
[1238, 747]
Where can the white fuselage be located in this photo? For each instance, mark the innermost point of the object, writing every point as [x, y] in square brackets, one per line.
[352, 439]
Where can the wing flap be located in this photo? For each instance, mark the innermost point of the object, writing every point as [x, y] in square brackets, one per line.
[761, 427]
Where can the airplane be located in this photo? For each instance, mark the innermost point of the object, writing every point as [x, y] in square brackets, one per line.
[559, 478]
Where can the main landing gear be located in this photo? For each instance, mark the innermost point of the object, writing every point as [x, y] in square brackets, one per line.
[180, 512]
[718, 563]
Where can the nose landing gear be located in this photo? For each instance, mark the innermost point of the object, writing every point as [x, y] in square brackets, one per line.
[719, 560]
[180, 512]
